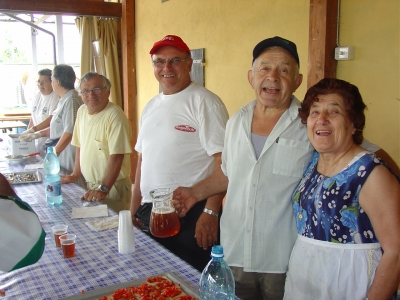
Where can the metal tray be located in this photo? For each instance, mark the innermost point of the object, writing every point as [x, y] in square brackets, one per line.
[108, 290]
[23, 177]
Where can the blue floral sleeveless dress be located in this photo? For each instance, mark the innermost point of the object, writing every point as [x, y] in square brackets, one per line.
[336, 252]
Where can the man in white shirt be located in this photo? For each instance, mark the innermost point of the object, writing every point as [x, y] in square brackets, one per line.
[180, 142]
[265, 153]
[43, 105]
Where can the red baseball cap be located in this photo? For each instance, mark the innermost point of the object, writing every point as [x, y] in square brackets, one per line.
[170, 40]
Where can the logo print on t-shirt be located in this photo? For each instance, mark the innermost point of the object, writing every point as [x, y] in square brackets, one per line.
[185, 128]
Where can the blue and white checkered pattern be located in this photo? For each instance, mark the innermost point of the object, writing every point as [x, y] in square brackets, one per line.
[97, 262]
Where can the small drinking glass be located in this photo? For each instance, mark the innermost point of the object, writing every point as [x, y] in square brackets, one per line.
[59, 230]
[68, 245]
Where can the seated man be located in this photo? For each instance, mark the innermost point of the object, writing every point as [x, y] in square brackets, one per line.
[21, 235]
[102, 136]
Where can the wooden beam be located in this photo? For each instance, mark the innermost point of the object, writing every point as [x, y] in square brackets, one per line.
[129, 73]
[70, 7]
[322, 40]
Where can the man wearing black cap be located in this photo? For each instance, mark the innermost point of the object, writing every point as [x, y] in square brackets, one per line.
[265, 154]
[180, 143]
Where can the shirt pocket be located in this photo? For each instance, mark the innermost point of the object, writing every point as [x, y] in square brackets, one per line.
[102, 150]
[291, 157]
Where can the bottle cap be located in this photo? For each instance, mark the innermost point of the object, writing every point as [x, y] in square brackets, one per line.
[217, 251]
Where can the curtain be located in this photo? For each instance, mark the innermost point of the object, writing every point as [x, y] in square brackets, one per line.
[88, 34]
[99, 51]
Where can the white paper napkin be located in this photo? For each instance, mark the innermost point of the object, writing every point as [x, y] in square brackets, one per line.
[34, 166]
[103, 224]
[89, 212]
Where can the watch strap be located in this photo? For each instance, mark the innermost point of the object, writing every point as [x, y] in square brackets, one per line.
[210, 212]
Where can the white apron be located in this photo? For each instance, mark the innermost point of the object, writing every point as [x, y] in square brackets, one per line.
[330, 271]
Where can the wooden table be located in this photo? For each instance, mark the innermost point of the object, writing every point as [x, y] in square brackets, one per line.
[15, 114]
[4, 125]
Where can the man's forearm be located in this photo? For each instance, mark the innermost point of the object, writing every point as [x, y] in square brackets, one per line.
[44, 124]
[137, 195]
[112, 170]
[214, 203]
[76, 173]
[63, 142]
[216, 184]
[210, 186]
[30, 125]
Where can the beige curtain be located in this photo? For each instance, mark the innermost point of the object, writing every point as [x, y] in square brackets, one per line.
[88, 34]
[99, 51]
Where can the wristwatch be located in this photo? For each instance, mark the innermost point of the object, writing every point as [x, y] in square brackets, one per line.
[103, 188]
[210, 212]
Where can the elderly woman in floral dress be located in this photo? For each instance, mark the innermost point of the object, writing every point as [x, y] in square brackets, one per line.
[347, 206]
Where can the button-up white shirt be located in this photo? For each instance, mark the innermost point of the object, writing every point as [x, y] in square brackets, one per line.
[257, 226]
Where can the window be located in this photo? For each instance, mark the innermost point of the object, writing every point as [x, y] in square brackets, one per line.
[24, 50]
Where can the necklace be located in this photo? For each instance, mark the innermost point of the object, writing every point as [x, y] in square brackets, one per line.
[330, 170]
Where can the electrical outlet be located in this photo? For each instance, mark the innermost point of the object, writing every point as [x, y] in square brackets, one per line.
[344, 53]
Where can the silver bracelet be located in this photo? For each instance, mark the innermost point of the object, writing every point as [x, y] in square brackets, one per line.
[210, 212]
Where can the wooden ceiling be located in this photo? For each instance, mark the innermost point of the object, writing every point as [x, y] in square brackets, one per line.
[70, 7]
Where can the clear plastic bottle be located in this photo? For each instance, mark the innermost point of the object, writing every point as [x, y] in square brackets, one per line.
[51, 167]
[216, 281]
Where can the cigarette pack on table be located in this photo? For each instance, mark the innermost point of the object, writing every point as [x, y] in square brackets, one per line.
[16, 146]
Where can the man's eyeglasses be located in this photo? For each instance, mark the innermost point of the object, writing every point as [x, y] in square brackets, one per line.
[175, 62]
[96, 91]
[43, 82]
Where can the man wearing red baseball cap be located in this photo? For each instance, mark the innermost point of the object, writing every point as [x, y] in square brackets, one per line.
[180, 143]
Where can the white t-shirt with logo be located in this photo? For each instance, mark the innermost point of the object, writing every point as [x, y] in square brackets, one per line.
[178, 135]
[43, 107]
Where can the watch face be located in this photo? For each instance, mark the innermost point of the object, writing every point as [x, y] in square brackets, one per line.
[104, 189]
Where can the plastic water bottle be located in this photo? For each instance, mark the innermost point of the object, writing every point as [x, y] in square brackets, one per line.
[52, 181]
[216, 281]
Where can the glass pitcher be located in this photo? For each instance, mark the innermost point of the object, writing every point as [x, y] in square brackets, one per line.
[164, 220]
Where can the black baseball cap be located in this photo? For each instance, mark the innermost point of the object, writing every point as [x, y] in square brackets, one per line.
[276, 41]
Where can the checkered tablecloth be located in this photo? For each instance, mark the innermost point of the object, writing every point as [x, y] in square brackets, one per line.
[97, 262]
